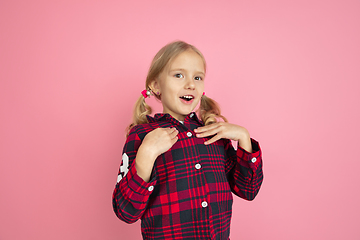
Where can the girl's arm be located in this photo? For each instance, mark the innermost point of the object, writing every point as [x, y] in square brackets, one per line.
[154, 144]
[244, 166]
[244, 169]
[134, 187]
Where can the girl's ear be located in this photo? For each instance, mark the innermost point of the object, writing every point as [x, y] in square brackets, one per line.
[155, 86]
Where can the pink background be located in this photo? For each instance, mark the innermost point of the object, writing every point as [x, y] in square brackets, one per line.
[70, 72]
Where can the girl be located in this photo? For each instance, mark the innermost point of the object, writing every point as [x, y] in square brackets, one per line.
[178, 170]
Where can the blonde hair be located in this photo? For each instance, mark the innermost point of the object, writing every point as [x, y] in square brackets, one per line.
[209, 110]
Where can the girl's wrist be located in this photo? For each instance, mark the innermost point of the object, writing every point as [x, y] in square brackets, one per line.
[148, 152]
[243, 135]
[244, 140]
[245, 144]
[144, 163]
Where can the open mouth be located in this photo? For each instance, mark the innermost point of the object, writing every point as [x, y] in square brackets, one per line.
[187, 98]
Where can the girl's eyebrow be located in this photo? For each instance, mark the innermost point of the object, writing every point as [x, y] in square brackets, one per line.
[184, 70]
[177, 69]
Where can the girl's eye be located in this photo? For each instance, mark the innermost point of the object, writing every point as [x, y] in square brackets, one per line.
[179, 75]
[198, 78]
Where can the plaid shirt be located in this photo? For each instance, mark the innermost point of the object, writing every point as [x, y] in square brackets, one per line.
[189, 192]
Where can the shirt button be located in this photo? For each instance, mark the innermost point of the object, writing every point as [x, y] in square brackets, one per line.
[151, 188]
[253, 160]
[191, 115]
[204, 204]
[189, 134]
[198, 166]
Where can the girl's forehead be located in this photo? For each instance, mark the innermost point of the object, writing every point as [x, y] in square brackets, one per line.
[186, 59]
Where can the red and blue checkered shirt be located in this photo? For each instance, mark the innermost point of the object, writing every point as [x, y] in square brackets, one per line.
[189, 192]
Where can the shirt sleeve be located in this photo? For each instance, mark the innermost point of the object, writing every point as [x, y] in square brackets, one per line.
[244, 170]
[131, 193]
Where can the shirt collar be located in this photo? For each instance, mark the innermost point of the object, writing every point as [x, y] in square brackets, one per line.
[165, 116]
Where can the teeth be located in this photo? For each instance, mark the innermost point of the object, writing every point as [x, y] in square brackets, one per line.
[187, 97]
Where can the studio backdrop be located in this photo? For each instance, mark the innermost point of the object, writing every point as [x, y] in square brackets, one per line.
[71, 71]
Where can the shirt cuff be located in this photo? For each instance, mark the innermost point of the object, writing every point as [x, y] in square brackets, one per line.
[251, 160]
[136, 184]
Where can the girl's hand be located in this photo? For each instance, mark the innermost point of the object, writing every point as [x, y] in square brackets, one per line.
[155, 143]
[159, 141]
[225, 130]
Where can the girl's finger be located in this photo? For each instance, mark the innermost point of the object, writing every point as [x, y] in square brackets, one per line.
[212, 140]
[174, 140]
[174, 134]
[209, 132]
[170, 130]
[206, 128]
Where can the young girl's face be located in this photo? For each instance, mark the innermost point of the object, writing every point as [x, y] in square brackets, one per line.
[181, 84]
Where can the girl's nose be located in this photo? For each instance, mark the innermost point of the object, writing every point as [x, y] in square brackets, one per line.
[190, 84]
